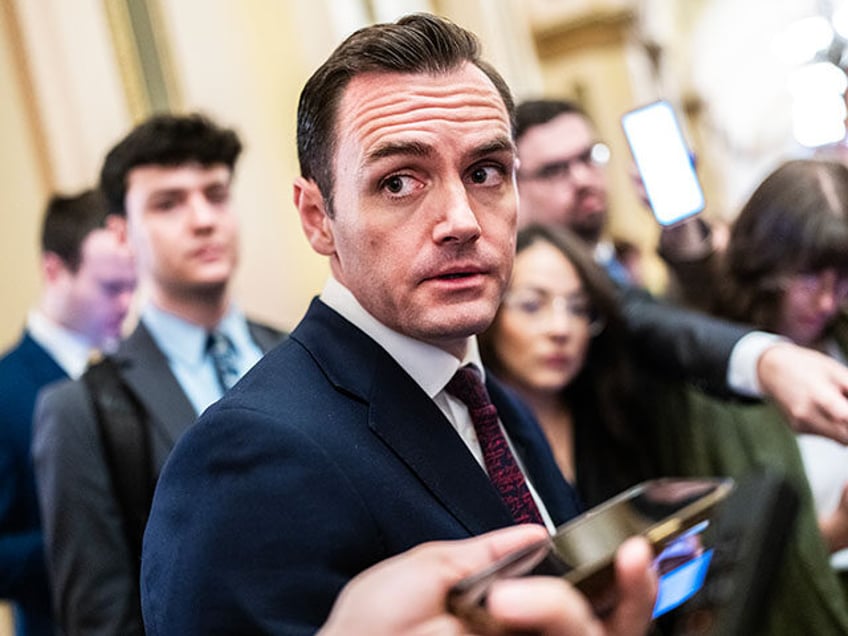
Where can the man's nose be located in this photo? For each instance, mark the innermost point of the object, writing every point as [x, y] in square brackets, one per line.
[202, 212]
[458, 220]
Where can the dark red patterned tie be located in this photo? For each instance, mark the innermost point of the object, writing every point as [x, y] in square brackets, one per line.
[503, 470]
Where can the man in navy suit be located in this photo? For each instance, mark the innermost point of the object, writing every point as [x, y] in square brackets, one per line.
[89, 280]
[343, 447]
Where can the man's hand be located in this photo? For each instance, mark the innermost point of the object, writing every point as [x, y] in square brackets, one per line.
[407, 594]
[810, 388]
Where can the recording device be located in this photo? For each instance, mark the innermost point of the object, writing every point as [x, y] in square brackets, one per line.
[749, 532]
[671, 513]
[664, 162]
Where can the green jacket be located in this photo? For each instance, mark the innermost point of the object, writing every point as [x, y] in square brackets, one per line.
[703, 436]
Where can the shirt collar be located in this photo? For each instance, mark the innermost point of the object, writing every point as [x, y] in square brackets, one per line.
[69, 349]
[430, 367]
[185, 341]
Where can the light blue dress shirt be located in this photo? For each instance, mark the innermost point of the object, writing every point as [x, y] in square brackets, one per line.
[184, 346]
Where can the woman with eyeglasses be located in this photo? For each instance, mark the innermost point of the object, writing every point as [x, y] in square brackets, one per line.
[785, 270]
[558, 340]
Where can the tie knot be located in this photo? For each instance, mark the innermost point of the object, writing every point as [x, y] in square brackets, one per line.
[218, 343]
[467, 385]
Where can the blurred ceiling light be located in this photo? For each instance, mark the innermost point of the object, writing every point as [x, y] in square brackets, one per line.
[801, 41]
[818, 122]
[840, 20]
[819, 80]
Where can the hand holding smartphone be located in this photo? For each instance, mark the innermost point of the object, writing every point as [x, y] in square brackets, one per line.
[582, 551]
[664, 162]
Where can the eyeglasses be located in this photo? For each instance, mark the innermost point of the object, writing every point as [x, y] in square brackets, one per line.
[597, 154]
[813, 285]
[539, 307]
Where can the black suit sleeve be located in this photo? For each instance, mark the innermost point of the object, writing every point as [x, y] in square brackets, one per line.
[678, 342]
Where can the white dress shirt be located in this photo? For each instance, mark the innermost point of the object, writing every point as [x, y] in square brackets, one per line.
[430, 367]
[69, 349]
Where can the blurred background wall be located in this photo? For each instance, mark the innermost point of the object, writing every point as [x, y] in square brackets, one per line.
[75, 75]
[748, 79]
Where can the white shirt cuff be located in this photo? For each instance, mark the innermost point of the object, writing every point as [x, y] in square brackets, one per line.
[742, 366]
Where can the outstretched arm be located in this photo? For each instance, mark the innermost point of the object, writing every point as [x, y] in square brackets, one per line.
[809, 387]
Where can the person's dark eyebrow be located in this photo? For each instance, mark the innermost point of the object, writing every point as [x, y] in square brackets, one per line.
[394, 149]
[501, 144]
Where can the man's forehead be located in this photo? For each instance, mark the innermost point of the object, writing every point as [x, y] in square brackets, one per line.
[563, 134]
[174, 175]
[379, 105]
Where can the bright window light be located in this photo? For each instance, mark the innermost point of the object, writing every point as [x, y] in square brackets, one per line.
[802, 40]
[818, 121]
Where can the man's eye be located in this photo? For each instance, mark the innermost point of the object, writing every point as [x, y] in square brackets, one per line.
[394, 184]
[218, 195]
[398, 185]
[164, 204]
[491, 175]
[554, 170]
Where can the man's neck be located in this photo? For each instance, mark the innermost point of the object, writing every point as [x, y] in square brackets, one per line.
[51, 311]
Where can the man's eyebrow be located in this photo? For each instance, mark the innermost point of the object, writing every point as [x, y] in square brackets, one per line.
[398, 148]
[167, 191]
[501, 144]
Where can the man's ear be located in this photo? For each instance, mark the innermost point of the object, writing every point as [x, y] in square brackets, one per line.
[313, 216]
[53, 267]
[117, 225]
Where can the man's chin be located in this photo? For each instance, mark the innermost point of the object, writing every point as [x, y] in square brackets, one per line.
[458, 329]
[591, 229]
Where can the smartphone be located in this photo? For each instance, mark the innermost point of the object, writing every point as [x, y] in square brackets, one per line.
[670, 512]
[664, 162]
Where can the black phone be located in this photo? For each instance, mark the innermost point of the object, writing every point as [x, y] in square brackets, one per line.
[750, 532]
[669, 512]
[664, 162]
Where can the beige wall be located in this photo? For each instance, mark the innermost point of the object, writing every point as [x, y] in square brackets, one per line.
[65, 98]
[22, 184]
[241, 62]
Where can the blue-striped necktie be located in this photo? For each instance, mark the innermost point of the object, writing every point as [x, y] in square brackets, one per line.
[224, 358]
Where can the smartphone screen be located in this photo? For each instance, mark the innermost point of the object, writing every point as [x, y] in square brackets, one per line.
[669, 512]
[682, 567]
[664, 162]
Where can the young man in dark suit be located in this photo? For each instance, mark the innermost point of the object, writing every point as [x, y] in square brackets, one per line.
[169, 180]
[88, 283]
[350, 443]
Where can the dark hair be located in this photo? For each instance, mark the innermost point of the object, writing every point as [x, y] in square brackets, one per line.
[796, 222]
[68, 220]
[536, 112]
[166, 140]
[419, 43]
[603, 397]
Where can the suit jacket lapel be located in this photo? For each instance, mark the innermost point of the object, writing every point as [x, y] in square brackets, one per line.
[265, 337]
[146, 371]
[39, 363]
[404, 418]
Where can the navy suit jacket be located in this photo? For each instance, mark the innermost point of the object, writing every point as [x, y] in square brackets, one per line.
[324, 460]
[24, 370]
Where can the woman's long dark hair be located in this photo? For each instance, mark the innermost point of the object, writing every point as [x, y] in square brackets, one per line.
[603, 398]
[796, 222]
